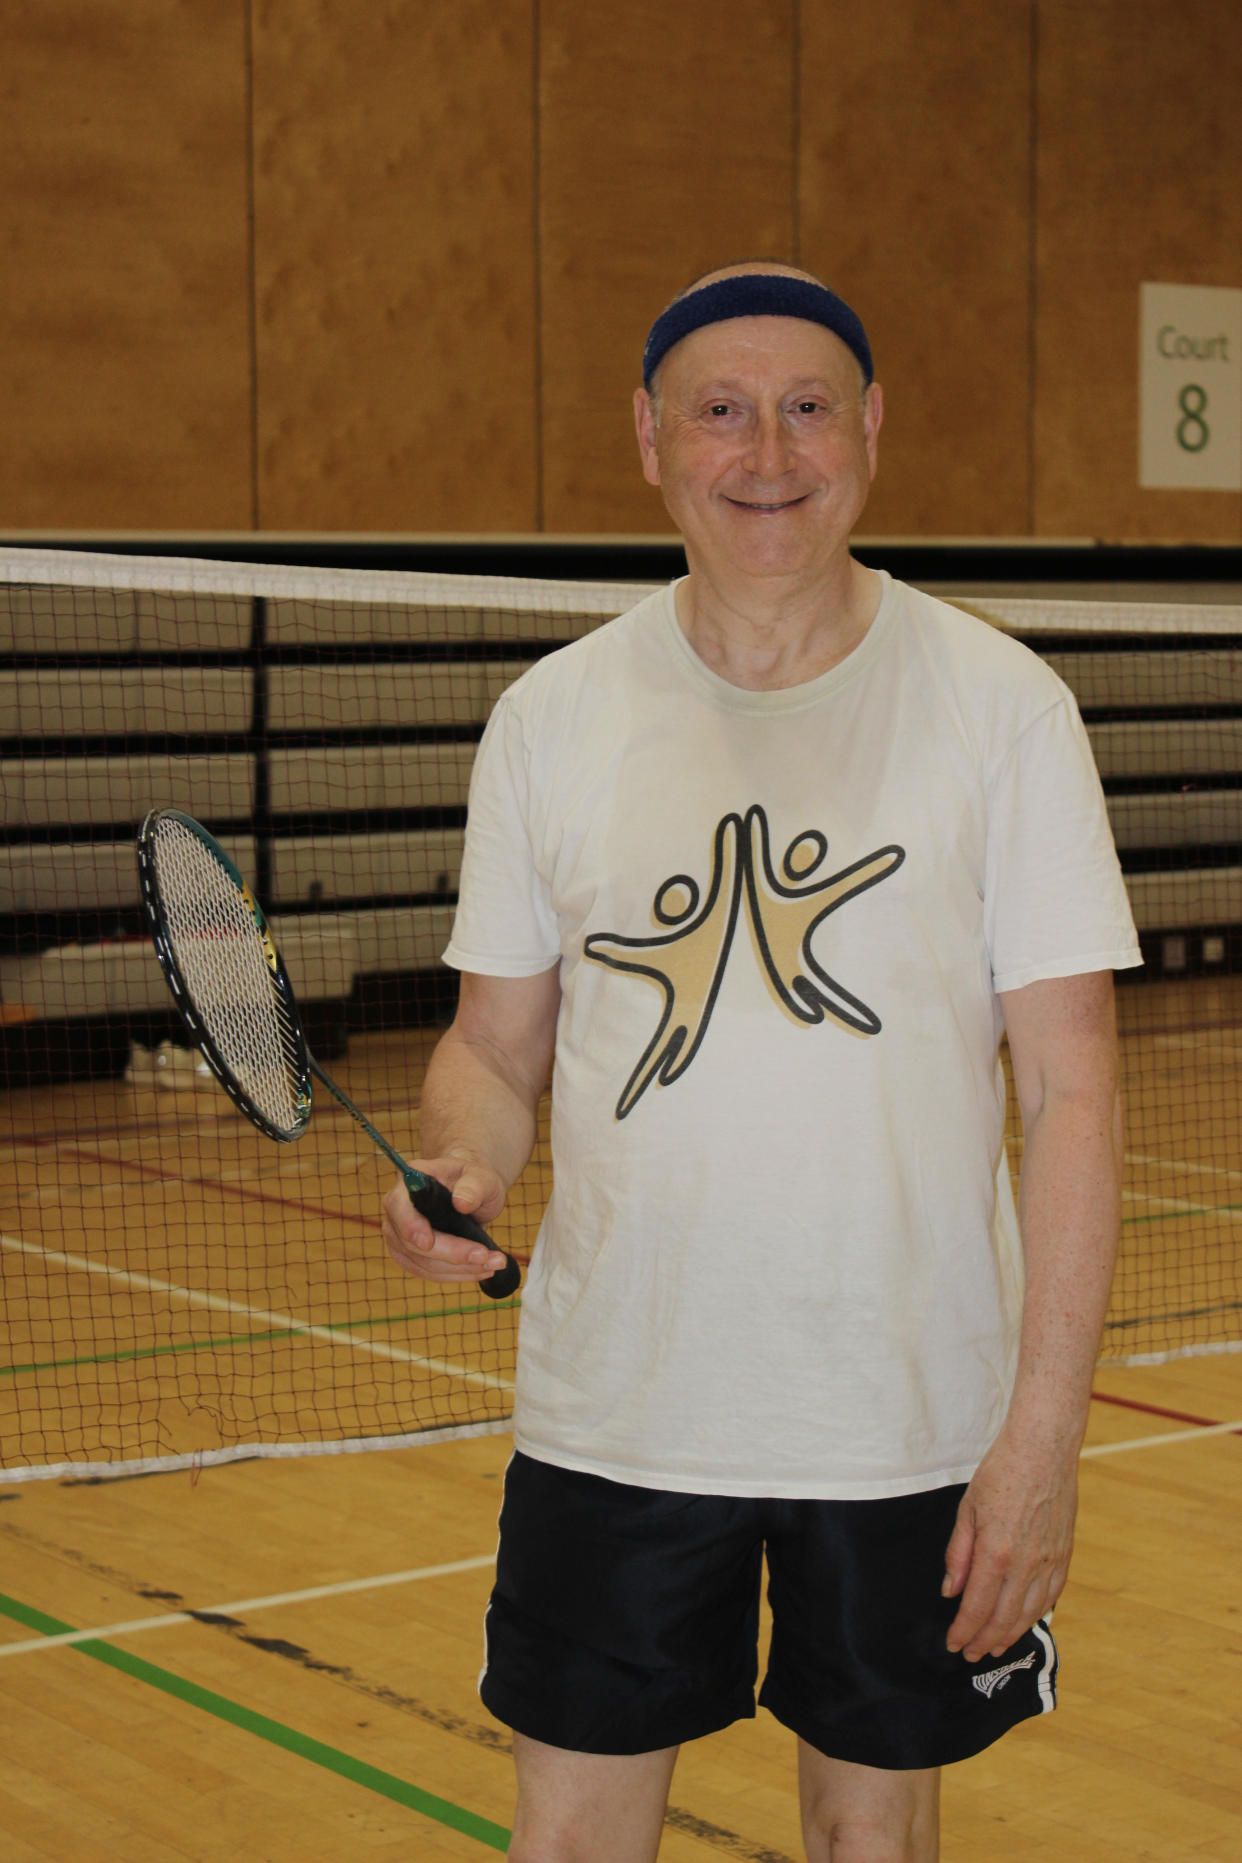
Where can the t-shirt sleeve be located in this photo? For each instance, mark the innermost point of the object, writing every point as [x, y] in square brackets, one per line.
[1055, 904]
[504, 925]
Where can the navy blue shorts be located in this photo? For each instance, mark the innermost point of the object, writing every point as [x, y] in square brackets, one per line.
[626, 1619]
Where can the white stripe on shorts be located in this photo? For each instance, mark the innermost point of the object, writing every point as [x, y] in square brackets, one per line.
[1046, 1680]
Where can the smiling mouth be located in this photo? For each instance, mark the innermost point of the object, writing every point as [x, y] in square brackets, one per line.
[786, 504]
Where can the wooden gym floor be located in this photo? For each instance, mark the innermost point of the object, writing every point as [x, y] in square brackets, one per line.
[283, 1654]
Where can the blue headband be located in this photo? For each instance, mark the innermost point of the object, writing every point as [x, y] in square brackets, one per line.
[756, 294]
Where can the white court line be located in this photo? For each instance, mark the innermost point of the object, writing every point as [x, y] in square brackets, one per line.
[30, 1644]
[1175, 1164]
[1169, 1436]
[1201, 1039]
[284, 1321]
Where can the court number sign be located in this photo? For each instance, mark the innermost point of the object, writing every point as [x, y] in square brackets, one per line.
[1190, 388]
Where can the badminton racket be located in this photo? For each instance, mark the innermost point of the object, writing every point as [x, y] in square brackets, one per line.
[234, 995]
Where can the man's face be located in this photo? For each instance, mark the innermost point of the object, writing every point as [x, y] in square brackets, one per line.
[765, 446]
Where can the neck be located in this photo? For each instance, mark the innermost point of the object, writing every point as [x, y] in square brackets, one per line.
[766, 635]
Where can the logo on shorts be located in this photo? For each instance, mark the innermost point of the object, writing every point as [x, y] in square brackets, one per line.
[993, 1680]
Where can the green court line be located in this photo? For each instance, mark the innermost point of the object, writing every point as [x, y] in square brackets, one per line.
[358, 1772]
[123, 1358]
[280, 1335]
[1214, 1310]
[1172, 1216]
[437, 1313]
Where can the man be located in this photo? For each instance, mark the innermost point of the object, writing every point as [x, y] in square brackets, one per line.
[765, 866]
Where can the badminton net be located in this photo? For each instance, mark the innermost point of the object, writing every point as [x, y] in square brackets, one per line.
[177, 1288]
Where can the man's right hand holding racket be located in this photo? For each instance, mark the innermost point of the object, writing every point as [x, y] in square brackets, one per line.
[416, 1245]
[478, 1120]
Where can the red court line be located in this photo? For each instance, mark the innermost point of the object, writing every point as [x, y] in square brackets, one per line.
[240, 1191]
[131, 1128]
[175, 1120]
[1157, 1410]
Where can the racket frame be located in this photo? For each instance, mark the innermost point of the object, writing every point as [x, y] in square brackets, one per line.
[428, 1195]
[297, 1054]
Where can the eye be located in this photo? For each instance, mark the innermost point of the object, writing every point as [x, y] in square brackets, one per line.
[719, 410]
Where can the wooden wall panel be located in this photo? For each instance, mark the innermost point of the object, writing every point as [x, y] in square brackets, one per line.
[124, 371]
[915, 195]
[466, 215]
[1139, 130]
[394, 221]
[666, 149]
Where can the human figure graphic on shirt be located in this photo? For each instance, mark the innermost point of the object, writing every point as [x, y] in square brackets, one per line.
[689, 960]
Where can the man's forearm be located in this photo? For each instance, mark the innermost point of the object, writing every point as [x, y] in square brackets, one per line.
[474, 1106]
[484, 1082]
[1069, 1212]
[1010, 1551]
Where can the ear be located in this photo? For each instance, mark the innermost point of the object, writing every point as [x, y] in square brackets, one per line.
[645, 423]
[873, 416]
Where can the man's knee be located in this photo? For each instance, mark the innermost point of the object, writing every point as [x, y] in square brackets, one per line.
[861, 1814]
[865, 1840]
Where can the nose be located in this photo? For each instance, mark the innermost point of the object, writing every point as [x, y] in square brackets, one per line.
[769, 454]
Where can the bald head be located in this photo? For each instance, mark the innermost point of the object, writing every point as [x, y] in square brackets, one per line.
[743, 268]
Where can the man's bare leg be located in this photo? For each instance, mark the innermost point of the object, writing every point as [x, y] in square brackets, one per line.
[588, 1807]
[860, 1814]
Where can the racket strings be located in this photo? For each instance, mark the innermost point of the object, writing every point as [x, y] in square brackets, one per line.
[223, 955]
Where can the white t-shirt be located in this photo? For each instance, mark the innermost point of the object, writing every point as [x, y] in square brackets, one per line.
[781, 1255]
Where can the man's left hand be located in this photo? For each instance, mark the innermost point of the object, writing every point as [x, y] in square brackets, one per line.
[1010, 1551]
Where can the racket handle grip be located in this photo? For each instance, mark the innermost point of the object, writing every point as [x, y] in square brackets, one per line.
[434, 1200]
